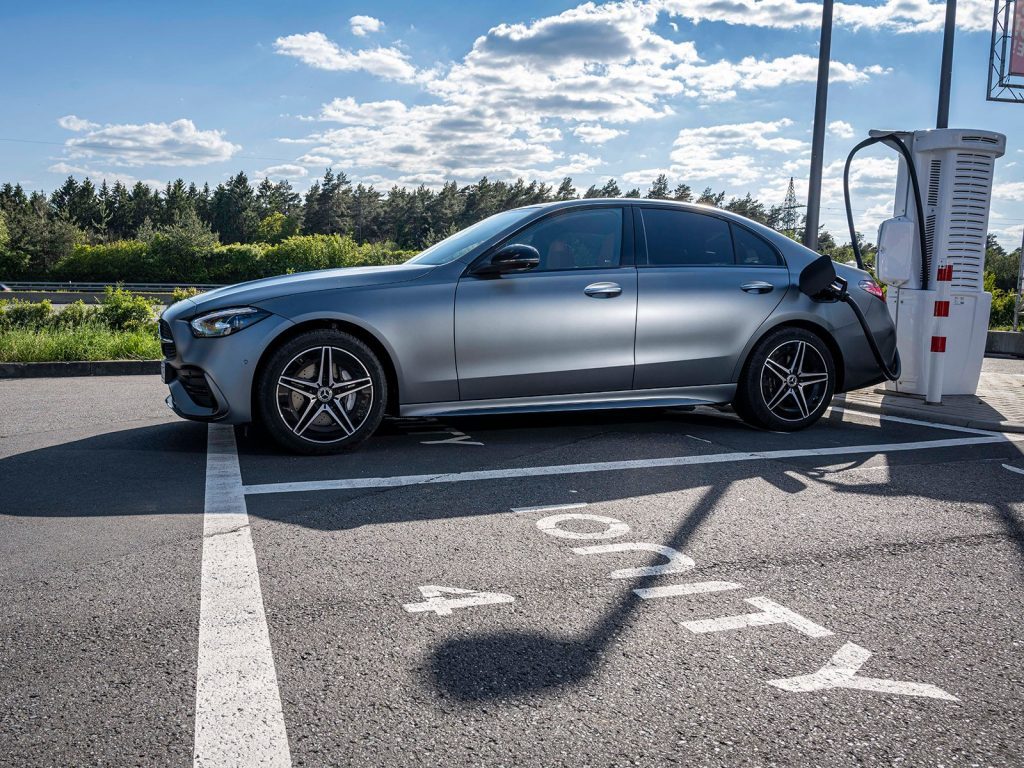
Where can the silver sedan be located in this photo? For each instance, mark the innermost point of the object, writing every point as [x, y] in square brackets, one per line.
[585, 304]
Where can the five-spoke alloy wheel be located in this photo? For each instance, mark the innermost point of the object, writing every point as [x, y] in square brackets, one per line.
[322, 392]
[788, 381]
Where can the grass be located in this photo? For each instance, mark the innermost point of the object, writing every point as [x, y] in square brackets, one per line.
[86, 342]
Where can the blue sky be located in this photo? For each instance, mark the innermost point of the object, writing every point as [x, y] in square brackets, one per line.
[712, 92]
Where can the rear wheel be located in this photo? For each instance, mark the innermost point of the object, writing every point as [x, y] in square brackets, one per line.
[788, 381]
[322, 392]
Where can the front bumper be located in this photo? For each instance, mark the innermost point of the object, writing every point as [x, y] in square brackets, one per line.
[211, 379]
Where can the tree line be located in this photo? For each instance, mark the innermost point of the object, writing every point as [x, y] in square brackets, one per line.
[37, 230]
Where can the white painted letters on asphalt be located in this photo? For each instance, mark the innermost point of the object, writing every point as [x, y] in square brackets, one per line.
[770, 613]
[613, 528]
[841, 672]
[692, 588]
[436, 602]
[677, 561]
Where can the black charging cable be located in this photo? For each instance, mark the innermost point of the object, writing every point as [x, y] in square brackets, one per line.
[926, 259]
[839, 290]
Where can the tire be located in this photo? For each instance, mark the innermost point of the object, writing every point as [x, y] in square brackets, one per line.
[787, 382]
[321, 392]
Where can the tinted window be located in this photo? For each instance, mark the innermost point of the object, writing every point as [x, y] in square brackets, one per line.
[463, 242]
[752, 250]
[578, 240]
[681, 238]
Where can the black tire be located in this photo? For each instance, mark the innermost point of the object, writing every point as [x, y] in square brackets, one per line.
[780, 391]
[321, 392]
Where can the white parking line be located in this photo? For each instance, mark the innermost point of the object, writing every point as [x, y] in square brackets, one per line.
[513, 473]
[550, 507]
[239, 720]
[1013, 469]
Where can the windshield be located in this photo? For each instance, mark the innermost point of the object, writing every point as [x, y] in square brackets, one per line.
[461, 243]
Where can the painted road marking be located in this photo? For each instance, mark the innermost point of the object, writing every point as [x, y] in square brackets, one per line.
[551, 507]
[612, 528]
[677, 561]
[1013, 469]
[239, 720]
[841, 672]
[694, 588]
[915, 422]
[515, 473]
[770, 613]
[436, 602]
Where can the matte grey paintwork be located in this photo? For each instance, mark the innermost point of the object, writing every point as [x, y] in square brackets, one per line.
[415, 313]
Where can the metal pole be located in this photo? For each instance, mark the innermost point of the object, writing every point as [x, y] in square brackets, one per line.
[818, 138]
[1020, 284]
[946, 73]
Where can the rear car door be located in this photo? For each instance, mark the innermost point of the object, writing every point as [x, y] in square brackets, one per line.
[705, 284]
[564, 327]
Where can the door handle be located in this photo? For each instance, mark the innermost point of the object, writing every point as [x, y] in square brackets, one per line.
[757, 286]
[603, 290]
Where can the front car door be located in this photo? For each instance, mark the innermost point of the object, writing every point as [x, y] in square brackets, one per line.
[566, 326]
[705, 285]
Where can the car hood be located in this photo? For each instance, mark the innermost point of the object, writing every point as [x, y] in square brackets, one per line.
[256, 291]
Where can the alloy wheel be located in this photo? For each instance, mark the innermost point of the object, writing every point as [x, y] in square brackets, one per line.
[794, 380]
[324, 394]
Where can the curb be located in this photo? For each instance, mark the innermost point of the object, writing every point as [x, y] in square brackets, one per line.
[929, 413]
[79, 368]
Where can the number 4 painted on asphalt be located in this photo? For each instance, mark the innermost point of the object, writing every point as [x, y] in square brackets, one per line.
[436, 601]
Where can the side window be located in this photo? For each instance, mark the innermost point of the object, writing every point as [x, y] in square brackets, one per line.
[751, 250]
[685, 239]
[590, 239]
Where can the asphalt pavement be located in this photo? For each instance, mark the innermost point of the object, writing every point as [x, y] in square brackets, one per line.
[639, 588]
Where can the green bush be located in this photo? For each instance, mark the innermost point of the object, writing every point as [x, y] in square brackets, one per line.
[28, 315]
[121, 310]
[123, 260]
[75, 315]
[1002, 309]
[180, 294]
[236, 263]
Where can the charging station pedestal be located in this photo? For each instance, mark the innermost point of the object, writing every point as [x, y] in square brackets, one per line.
[940, 331]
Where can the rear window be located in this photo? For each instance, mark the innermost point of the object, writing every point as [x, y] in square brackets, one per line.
[686, 239]
[751, 250]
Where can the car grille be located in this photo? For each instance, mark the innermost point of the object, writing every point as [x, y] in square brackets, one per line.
[167, 341]
[194, 382]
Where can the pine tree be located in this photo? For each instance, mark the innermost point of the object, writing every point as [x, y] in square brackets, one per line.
[566, 191]
[659, 188]
[683, 193]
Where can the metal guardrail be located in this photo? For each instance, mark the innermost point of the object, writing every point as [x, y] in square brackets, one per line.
[19, 285]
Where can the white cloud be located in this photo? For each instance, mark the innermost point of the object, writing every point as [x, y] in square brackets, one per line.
[733, 154]
[176, 143]
[364, 25]
[316, 50]
[504, 107]
[75, 123]
[892, 15]
[1012, 191]
[596, 134]
[286, 170]
[841, 129]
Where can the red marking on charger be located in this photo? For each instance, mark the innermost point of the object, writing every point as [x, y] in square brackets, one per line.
[938, 343]
[941, 309]
[945, 274]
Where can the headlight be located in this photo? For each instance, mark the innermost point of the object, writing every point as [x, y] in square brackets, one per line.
[224, 322]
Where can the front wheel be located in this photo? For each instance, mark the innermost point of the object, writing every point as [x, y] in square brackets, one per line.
[322, 392]
[788, 381]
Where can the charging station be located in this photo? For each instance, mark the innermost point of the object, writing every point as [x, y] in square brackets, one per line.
[935, 292]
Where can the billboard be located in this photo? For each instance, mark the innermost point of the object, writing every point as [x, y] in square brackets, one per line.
[1017, 41]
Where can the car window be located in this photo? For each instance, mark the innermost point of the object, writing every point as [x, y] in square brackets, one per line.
[590, 239]
[683, 238]
[751, 250]
[463, 242]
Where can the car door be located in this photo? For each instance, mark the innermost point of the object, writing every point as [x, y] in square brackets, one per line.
[564, 327]
[705, 285]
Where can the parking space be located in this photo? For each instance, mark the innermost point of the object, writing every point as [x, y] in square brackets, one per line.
[648, 588]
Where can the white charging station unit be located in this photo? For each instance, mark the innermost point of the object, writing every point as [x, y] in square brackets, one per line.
[941, 331]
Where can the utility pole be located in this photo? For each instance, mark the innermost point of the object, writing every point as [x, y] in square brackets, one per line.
[946, 72]
[818, 138]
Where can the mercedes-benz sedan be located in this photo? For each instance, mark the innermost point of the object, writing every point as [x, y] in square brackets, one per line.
[584, 304]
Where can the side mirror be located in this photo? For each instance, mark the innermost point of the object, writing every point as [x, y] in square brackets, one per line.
[515, 257]
[817, 277]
